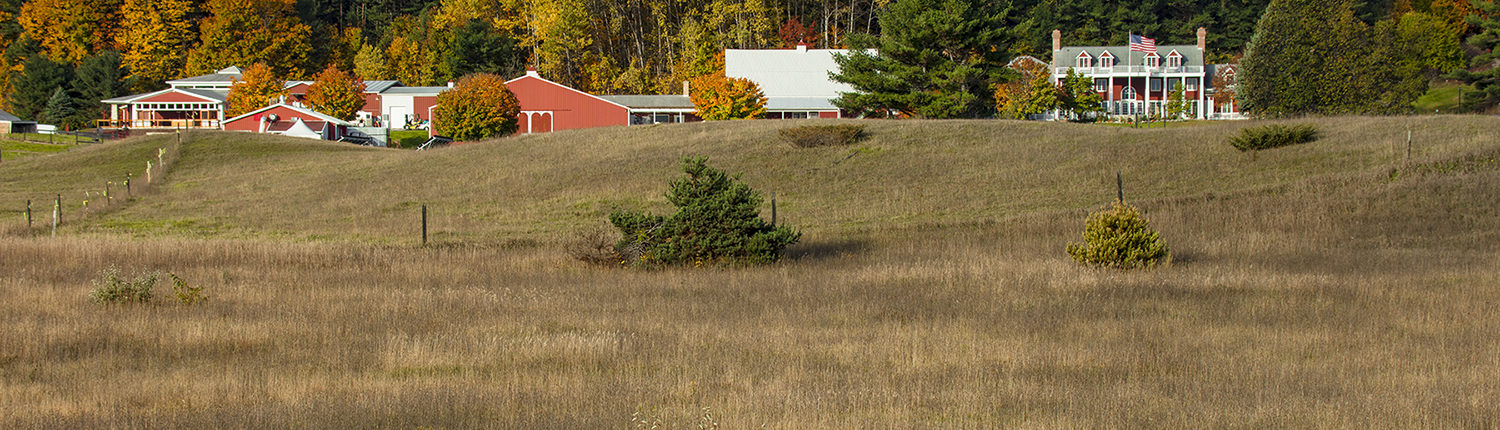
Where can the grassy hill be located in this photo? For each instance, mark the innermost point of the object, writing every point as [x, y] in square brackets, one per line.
[1336, 284]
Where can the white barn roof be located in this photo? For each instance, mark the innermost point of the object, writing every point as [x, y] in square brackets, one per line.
[787, 72]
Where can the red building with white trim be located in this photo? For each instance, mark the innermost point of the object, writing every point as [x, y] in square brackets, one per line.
[1140, 83]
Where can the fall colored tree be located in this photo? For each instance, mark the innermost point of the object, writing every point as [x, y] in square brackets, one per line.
[793, 33]
[479, 106]
[257, 87]
[410, 63]
[562, 40]
[155, 36]
[244, 32]
[716, 98]
[1013, 97]
[1455, 13]
[370, 63]
[337, 93]
[70, 30]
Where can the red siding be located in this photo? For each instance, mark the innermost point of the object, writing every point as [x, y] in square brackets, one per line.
[569, 109]
[422, 105]
[828, 115]
[372, 104]
[252, 122]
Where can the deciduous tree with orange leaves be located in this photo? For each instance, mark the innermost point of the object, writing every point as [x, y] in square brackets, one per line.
[479, 106]
[242, 32]
[716, 98]
[70, 30]
[337, 93]
[154, 37]
[256, 88]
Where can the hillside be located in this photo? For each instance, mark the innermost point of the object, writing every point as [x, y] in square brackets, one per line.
[1329, 285]
[537, 188]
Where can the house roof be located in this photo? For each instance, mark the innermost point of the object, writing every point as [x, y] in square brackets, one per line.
[651, 102]
[208, 94]
[226, 74]
[414, 91]
[380, 86]
[788, 72]
[305, 111]
[1191, 55]
[10, 118]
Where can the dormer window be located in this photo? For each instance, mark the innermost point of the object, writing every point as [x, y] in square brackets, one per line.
[1084, 60]
[1153, 60]
[1174, 59]
[1106, 60]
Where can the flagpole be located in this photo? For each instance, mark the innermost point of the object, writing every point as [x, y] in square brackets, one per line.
[1130, 62]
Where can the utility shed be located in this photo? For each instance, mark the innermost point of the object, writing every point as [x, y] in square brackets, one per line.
[12, 124]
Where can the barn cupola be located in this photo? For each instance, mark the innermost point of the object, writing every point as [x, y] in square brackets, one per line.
[531, 71]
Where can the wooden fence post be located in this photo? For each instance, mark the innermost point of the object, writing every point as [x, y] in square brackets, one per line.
[127, 185]
[148, 172]
[773, 210]
[424, 225]
[1120, 186]
[28, 214]
[56, 213]
[108, 199]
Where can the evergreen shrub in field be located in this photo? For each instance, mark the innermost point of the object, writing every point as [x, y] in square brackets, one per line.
[810, 136]
[717, 222]
[1273, 136]
[1119, 237]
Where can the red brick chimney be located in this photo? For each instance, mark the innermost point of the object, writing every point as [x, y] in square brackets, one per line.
[1056, 40]
[1202, 39]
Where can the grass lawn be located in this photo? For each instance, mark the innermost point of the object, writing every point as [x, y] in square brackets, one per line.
[1442, 97]
[15, 148]
[1330, 284]
[407, 139]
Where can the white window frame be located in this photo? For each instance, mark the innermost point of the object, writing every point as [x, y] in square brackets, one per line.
[1154, 85]
[1083, 60]
[1153, 60]
[1192, 84]
[1174, 59]
[1101, 85]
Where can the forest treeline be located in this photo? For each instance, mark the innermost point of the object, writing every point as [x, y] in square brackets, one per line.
[600, 46]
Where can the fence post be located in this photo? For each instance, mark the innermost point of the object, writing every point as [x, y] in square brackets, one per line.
[127, 185]
[773, 210]
[1408, 144]
[424, 225]
[56, 213]
[148, 172]
[1120, 186]
[28, 214]
[108, 199]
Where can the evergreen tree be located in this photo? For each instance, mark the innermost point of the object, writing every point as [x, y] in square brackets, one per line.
[35, 85]
[60, 110]
[1486, 82]
[934, 59]
[1307, 57]
[100, 77]
[717, 222]
[1076, 95]
[478, 48]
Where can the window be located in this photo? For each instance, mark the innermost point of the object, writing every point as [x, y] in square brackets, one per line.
[1155, 85]
[1153, 60]
[1106, 60]
[1128, 94]
[1174, 85]
[1101, 85]
[1084, 60]
[1174, 59]
[1192, 84]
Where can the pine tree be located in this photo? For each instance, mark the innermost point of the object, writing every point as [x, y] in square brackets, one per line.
[1486, 82]
[934, 59]
[478, 48]
[60, 110]
[717, 222]
[100, 77]
[35, 85]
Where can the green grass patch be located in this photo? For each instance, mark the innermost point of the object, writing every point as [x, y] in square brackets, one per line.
[407, 139]
[1442, 97]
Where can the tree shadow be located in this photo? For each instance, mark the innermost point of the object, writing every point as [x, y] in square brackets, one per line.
[827, 250]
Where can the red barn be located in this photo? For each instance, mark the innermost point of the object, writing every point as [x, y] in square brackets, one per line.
[548, 106]
[289, 120]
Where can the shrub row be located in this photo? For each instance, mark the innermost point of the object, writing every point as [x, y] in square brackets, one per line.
[1273, 136]
[811, 136]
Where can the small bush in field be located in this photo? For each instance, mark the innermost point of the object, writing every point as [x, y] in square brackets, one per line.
[113, 289]
[596, 246]
[717, 222]
[809, 136]
[1273, 136]
[186, 294]
[1119, 237]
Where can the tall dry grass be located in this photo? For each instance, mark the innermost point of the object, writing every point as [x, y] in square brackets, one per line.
[1341, 302]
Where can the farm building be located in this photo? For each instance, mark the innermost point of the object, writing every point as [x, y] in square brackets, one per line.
[289, 120]
[550, 106]
[12, 124]
[1138, 78]
[795, 81]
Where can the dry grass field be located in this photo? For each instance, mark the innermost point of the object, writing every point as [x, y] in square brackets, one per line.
[1335, 284]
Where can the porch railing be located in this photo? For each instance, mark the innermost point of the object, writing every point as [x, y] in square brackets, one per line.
[158, 123]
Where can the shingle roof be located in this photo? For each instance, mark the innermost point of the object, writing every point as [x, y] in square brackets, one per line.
[1191, 55]
[7, 117]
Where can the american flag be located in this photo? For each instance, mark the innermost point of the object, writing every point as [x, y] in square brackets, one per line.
[1142, 43]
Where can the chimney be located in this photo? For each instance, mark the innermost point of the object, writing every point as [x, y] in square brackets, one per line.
[801, 47]
[1202, 39]
[687, 87]
[451, 84]
[1056, 40]
[531, 71]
